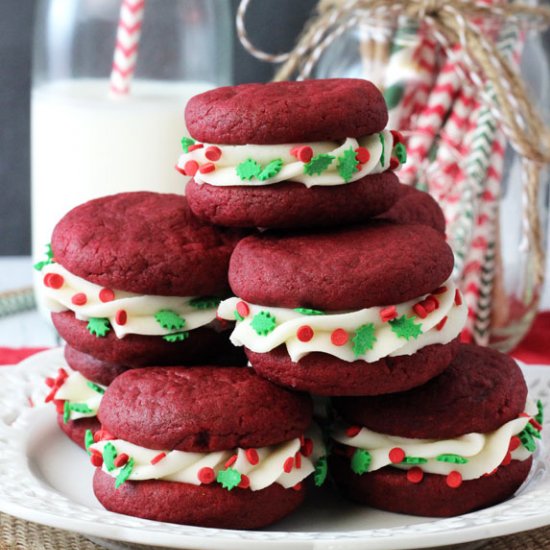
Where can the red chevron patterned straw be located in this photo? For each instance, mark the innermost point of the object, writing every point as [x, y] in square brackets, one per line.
[127, 44]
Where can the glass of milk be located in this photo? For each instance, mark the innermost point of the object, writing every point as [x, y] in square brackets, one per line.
[87, 141]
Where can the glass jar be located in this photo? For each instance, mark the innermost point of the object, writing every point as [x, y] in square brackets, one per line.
[88, 141]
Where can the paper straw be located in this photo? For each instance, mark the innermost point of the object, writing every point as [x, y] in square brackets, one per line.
[127, 44]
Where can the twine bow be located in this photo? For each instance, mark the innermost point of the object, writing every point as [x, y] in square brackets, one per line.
[451, 22]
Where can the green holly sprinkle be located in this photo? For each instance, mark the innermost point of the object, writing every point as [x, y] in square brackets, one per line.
[88, 440]
[321, 471]
[533, 431]
[109, 455]
[271, 170]
[263, 323]
[364, 339]
[405, 327]
[318, 164]
[307, 311]
[228, 478]
[383, 154]
[49, 259]
[451, 459]
[66, 412]
[401, 153]
[414, 460]
[205, 302]
[360, 461]
[347, 164]
[95, 387]
[125, 473]
[176, 337]
[98, 326]
[540, 415]
[169, 319]
[186, 142]
[527, 440]
[248, 169]
[76, 407]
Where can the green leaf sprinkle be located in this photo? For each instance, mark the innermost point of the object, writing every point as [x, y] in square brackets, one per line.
[238, 316]
[228, 478]
[186, 142]
[383, 154]
[248, 169]
[533, 431]
[414, 460]
[540, 415]
[263, 323]
[205, 302]
[95, 387]
[125, 473]
[360, 461]
[527, 441]
[169, 319]
[347, 164]
[364, 339]
[109, 455]
[98, 326]
[88, 440]
[176, 337]
[271, 170]
[49, 259]
[406, 328]
[66, 412]
[318, 164]
[76, 407]
[321, 471]
[401, 153]
[452, 459]
[307, 311]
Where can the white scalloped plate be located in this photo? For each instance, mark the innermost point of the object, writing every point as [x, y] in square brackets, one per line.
[45, 478]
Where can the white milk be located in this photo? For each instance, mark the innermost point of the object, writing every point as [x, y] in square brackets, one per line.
[86, 144]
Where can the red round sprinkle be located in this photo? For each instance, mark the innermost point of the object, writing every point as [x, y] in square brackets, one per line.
[50, 382]
[304, 153]
[420, 310]
[396, 455]
[441, 323]
[515, 442]
[252, 456]
[96, 459]
[242, 309]
[507, 459]
[106, 295]
[206, 168]
[415, 475]
[458, 298]
[231, 461]
[288, 464]
[362, 155]
[388, 314]
[397, 136]
[191, 167]
[298, 486]
[454, 480]
[194, 147]
[339, 337]
[431, 303]
[294, 151]
[79, 299]
[121, 460]
[206, 475]
[304, 333]
[213, 153]
[59, 406]
[298, 460]
[158, 458]
[54, 280]
[307, 447]
[244, 483]
[440, 290]
[352, 431]
[121, 317]
[103, 435]
[394, 163]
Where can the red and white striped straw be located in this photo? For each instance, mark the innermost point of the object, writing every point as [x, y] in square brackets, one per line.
[127, 44]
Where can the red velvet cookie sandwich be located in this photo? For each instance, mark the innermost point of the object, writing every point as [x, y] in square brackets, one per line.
[461, 442]
[365, 310]
[203, 446]
[134, 279]
[290, 154]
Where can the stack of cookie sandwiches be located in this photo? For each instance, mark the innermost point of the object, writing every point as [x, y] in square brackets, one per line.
[347, 292]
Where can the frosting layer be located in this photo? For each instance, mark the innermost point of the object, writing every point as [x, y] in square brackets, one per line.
[471, 455]
[368, 334]
[124, 312]
[83, 397]
[320, 163]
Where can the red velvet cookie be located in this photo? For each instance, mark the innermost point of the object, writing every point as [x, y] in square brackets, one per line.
[461, 442]
[156, 420]
[93, 369]
[287, 112]
[415, 207]
[293, 205]
[76, 429]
